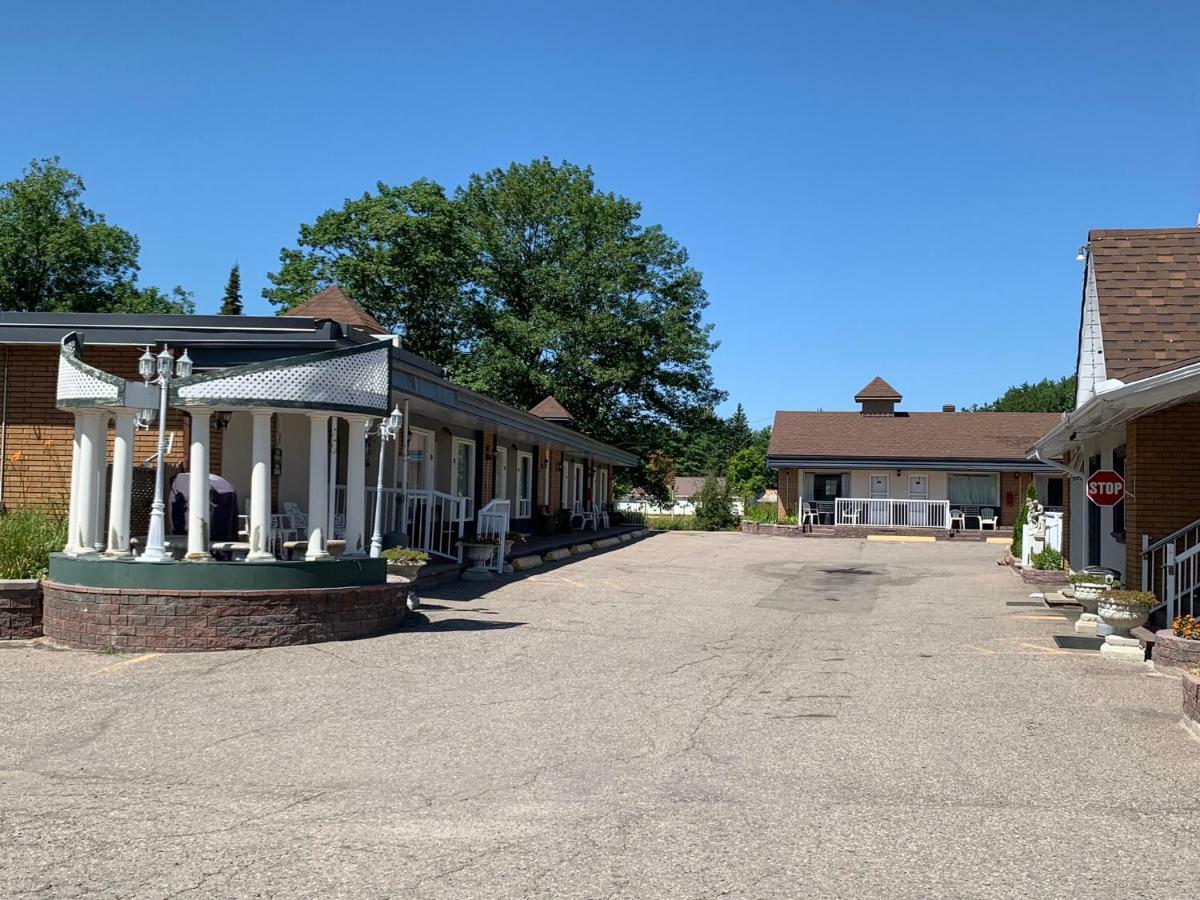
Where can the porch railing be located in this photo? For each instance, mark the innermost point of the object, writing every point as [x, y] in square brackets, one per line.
[1171, 570]
[887, 513]
[492, 522]
[432, 520]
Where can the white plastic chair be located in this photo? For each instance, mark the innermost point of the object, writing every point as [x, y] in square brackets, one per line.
[809, 516]
[987, 516]
[599, 516]
[299, 518]
[957, 519]
[850, 515]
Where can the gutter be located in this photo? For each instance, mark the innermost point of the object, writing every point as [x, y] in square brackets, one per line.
[1055, 464]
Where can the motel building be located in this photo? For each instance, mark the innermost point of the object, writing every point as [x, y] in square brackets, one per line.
[317, 440]
[1137, 415]
[933, 474]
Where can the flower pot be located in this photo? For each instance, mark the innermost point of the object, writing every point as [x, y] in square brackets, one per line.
[1121, 617]
[479, 554]
[1087, 595]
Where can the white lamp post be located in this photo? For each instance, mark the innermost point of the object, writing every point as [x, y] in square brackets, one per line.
[160, 370]
[388, 429]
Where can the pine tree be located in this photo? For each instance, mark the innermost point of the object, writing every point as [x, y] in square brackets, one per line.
[232, 304]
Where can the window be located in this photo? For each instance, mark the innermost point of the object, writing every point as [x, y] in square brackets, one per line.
[524, 484]
[974, 490]
[1118, 514]
[463, 484]
[600, 488]
[500, 488]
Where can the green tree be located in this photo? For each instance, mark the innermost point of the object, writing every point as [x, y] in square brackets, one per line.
[658, 478]
[747, 472]
[404, 255]
[528, 281]
[231, 304]
[1047, 395]
[57, 255]
[714, 505]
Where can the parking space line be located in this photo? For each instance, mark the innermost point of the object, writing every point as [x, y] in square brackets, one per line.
[125, 662]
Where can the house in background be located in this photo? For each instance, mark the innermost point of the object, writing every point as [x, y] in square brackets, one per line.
[1137, 410]
[685, 490]
[881, 467]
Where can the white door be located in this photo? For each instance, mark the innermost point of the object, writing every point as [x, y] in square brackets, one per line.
[501, 485]
[918, 489]
[420, 460]
[464, 474]
[577, 487]
[879, 511]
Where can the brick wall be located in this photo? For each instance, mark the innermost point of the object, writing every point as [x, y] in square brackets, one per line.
[20, 610]
[38, 437]
[214, 620]
[1160, 478]
[789, 481]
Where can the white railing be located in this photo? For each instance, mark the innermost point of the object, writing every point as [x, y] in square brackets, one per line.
[432, 520]
[1171, 570]
[492, 522]
[887, 513]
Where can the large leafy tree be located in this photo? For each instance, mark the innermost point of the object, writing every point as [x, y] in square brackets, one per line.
[58, 255]
[402, 253]
[1047, 395]
[528, 281]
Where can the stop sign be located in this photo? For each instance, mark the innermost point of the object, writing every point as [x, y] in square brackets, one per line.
[1106, 488]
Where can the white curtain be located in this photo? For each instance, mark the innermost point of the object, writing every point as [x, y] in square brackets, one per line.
[974, 490]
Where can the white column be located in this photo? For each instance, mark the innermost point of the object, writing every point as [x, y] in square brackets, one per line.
[356, 486]
[73, 496]
[260, 487]
[84, 499]
[197, 550]
[331, 501]
[100, 505]
[122, 485]
[318, 484]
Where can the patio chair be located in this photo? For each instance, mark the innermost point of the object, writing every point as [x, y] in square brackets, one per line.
[850, 515]
[599, 516]
[299, 517]
[809, 516]
[585, 516]
[987, 516]
[957, 519]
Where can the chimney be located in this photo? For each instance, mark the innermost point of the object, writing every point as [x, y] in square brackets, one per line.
[947, 407]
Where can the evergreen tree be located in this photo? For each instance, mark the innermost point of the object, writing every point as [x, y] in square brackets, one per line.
[231, 305]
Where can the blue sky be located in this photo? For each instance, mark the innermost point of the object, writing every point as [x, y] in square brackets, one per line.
[892, 189]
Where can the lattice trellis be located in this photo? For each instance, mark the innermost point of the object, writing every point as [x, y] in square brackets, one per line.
[355, 380]
[82, 385]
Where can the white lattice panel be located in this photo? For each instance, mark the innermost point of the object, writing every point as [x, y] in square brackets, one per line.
[360, 380]
[75, 383]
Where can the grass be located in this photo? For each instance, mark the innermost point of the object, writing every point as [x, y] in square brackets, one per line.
[676, 523]
[27, 537]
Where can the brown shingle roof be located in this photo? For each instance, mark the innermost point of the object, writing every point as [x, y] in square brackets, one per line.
[1148, 283]
[922, 435]
[688, 486]
[333, 304]
[552, 411]
[878, 389]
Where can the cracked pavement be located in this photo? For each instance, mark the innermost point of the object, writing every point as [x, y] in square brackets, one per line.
[691, 715]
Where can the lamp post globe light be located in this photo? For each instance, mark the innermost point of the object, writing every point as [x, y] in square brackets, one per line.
[388, 429]
[160, 370]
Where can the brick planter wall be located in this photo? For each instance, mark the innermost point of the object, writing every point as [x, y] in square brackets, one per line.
[1191, 703]
[1043, 576]
[216, 620]
[20, 609]
[1171, 653]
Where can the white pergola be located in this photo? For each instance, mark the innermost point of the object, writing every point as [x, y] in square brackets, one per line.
[353, 383]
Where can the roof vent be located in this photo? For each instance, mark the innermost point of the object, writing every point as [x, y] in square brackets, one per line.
[948, 407]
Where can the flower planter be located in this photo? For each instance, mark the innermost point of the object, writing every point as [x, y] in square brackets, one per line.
[20, 609]
[1121, 617]
[1088, 595]
[1173, 654]
[478, 554]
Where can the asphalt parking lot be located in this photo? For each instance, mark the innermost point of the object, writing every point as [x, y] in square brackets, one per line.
[686, 716]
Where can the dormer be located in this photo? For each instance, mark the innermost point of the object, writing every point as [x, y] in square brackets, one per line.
[878, 398]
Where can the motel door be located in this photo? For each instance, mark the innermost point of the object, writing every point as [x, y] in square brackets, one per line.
[879, 513]
[918, 489]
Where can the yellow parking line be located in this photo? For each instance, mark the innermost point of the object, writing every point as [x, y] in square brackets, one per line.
[1043, 649]
[902, 538]
[1040, 618]
[125, 662]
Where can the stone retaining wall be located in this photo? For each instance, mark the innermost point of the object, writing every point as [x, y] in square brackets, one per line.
[20, 609]
[1191, 703]
[217, 620]
[1172, 654]
[1043, 576]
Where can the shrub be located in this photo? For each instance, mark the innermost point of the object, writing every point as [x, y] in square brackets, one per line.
[1022, 519]
[673, 523]
[27, 538]
[1091, 578]
[1186, 627]
[405, 555]
[627, 517]
[1130, 598]
[1048, 560]
[714, 506]
[761, 513]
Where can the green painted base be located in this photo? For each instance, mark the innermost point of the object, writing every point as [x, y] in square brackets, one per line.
[96, 571]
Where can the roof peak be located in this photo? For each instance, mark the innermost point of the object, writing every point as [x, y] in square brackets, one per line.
[552, 411]
[878, 389]
[335, 304]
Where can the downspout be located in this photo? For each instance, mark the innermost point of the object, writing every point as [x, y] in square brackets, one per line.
[1055, 464]
[4, 428]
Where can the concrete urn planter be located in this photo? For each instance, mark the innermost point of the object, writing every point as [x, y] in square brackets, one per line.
[478, 555]
[1088, 595]
[1121, 617]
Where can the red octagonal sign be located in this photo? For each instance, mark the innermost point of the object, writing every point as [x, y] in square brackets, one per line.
[1106, 488]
